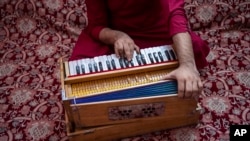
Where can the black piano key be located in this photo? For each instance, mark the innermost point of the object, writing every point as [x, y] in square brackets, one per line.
[150, 57]
[90, 68]
[167, 54]
[143, 59]
[138, 58]
[78, 69]
[172, 54]
[83, 69]
[95, 67]
[113, 63]
[100, 66]
[160, 56]
[108, 65]
[156, 57]
[126, 63]
[121, 62]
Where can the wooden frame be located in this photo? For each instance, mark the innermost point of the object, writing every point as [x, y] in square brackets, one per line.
[93, 121]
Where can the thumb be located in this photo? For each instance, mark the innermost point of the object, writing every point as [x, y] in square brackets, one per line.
[170, 75]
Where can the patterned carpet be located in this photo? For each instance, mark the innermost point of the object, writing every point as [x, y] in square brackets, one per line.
[34, 34]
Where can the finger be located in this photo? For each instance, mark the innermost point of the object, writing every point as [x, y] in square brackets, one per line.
[189, 88]
[195, 89]
[181, 88]
[137, 49]
[118, 49]
[128, 50]
[200, 86]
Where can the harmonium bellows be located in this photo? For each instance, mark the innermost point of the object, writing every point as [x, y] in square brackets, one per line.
[107, 98]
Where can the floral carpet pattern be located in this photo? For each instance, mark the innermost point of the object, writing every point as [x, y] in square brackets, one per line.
[34, 34]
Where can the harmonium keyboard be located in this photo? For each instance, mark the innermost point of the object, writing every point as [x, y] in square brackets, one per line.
[108, 98]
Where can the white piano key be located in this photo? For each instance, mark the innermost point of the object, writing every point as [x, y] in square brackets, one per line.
[173, 54]
[108, 61]
[92, 64]
[151, 50]
[74, 67]
[159, 54]
[83, 66]
[103, 60]
[71, 68]
[144, 58]
[96, 64]
[134, 59]
[168, 54]
[138, 59]
[78, 70]
[163, 49]
[85, 62]
[113, 62]
[100, 64]
[170, 49]
[145, 53]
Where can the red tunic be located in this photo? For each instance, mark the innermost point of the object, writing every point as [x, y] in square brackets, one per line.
[148, 22]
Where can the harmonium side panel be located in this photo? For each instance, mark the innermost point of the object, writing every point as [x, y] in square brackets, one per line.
[134, 110]
[119, 131]
[178, 112]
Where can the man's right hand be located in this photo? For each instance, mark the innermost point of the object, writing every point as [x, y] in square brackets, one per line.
[124, 45]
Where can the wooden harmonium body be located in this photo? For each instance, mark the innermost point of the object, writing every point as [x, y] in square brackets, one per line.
[105, 102]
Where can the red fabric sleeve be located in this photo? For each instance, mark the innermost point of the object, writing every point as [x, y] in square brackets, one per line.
[97, 17]
[177, 20]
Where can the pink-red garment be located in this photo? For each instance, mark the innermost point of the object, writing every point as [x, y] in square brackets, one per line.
[149, 23]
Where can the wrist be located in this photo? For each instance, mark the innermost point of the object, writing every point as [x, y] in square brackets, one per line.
[187, 64]
[110, 36]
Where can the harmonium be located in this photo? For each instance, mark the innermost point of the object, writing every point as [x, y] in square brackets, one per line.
[108, 98]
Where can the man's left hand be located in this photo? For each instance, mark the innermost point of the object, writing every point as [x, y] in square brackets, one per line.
[188, 79]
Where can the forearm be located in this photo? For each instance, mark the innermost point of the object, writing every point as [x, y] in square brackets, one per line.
[184, 49]
[109, 36]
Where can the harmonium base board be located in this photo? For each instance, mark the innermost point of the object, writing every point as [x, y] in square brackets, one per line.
[111, 105]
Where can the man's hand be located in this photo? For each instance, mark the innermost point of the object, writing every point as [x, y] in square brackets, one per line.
[187, 75]
[124, 47]
[188, 79]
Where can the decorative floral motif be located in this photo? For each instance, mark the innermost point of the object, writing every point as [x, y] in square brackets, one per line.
[26, 25]
[7, 69]
[244, 78]
[219, 105]
[206, 13]
[232, 34]
[21, 96]
[211, 56]
[185, 134]
[53, 4]
[39, 130]
[45, 50]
